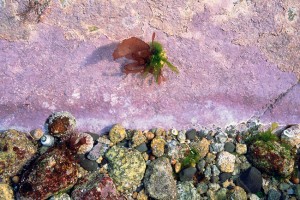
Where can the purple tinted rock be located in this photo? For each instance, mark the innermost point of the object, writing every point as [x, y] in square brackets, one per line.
[97, 187]
[97, 151]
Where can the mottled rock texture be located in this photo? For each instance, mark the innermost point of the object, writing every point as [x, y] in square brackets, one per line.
[126, 168]
[159, 181]
[237, 59]
[16, 150]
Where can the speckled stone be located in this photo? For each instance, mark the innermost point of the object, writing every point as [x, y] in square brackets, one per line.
[16, 150]
[117, 133]
[187, 191]
[126, 168]
[238, 193]
[138, 138]
[6, 192]
[201, 146]
[158, 147]
[159, 182]
[226, 162]
[241, 148]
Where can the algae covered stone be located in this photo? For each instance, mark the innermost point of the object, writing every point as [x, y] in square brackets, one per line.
[117, 133]
[272, 157]
[126, 167]
[53, 172]
[16, 150]
[159, 181]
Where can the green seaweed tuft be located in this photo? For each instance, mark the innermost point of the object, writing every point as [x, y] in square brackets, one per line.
[191, 159]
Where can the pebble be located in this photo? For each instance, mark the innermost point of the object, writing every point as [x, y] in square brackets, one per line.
[142, 147]
[87, 164]
[210, 158]
[274, 195]
[207, 172]
[37, 133]
[214, 186]
[221, 137]
[177, 167]
[191, 134]
[138, 138]
[201, 165]
[215, 171]
[214, 179]
[216, 147]
[158, 147]
[202, 188]
[250, 180]
[15, 179]
[187, 174]
[229, 147]
[97, 151]
[226, 161]
[149, 135]
[117, 133]
[224, 176]
[238, 194]
[241, 148]
[181, 137]
[6, 192]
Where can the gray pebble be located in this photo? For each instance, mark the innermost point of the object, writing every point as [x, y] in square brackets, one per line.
[187, 174]
[229, 147]
[142, 147]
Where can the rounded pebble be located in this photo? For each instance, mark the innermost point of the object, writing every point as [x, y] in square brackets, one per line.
[47, 140]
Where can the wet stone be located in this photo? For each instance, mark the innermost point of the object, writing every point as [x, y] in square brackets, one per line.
[187, 191]
[158, 180]
[187, 174]
[216, 147]
[274, 195]
[238, 194]
[202, 188]
[191, 134]
[117, 133]
[98, 151]
[224, 177]
[87, 164]
[221, 137]
[142, 147]
[181, 137]
[226, 162]
[6, 192]
[214, 179]
[250, 180]
[229, 147]
[241, 148]
[158, 147]
[201, 165]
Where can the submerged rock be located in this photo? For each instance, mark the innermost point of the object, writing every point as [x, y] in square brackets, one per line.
[53, 172]
[16, 150]
[159, 181]
[126, 167]
[272, 158]
[250, 180]
[96, 186]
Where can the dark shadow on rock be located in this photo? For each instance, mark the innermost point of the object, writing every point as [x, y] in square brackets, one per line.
[102, 53]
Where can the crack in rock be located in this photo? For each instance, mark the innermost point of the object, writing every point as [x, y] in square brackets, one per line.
[275, 101]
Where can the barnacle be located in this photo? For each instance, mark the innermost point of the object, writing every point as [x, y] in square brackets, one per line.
[148, 58]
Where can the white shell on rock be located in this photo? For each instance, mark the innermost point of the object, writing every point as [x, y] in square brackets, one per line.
[47, 140]
[292, 135]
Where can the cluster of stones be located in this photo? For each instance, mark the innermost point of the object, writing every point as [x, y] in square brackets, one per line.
[151, 164]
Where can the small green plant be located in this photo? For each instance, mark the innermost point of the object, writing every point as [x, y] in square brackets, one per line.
[266, 136]
[191, 159]
[148, 58]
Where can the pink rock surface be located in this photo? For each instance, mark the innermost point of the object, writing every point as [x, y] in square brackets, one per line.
[229, 62]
